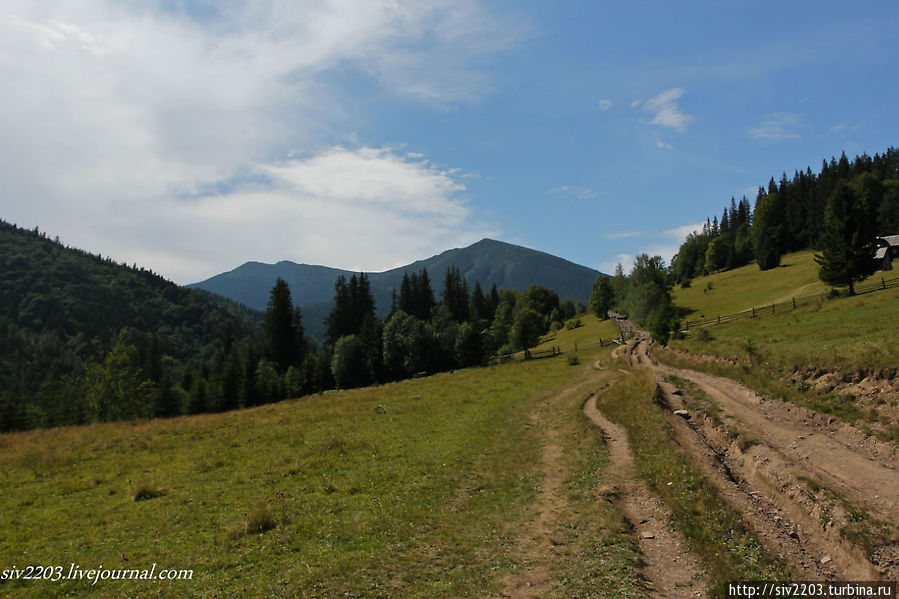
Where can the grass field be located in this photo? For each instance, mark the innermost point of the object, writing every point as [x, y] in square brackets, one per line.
[415, 489]
[584, 338]
[745, 287]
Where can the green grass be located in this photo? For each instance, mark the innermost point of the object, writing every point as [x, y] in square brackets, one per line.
[746, 287]
[714, 531]
[843, 333]
[584, 337]
[415, 489]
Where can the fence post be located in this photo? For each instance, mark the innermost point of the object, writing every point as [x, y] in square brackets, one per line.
[753, 311]
[772, 308]
[883, 283]
[719, 319]
[794, 303]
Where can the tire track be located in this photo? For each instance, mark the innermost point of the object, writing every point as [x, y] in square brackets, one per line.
[670, 568]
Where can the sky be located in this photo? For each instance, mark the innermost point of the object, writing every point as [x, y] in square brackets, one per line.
[189, 137]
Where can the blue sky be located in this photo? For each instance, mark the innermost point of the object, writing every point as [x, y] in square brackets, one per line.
[191, 137]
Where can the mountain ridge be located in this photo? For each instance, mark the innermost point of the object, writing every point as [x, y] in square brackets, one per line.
[487, 262]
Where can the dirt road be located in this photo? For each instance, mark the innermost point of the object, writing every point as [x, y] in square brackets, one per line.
[816, 489]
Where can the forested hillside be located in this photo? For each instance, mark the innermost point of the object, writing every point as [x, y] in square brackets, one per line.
[790, 215]
[70, 321]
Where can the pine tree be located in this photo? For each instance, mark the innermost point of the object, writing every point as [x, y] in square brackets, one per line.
[848, 240]
[424, 296]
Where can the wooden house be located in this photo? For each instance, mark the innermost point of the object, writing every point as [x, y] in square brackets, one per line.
[887, 249]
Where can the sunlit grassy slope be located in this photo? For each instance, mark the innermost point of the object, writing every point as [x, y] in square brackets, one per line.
[414, 489]
[585, 337]
[742, 288]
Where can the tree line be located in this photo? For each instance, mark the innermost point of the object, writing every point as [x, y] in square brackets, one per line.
[824, 211]
[421, 335]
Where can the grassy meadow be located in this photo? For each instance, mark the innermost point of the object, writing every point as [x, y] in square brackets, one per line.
[422, 488]
[746, 287]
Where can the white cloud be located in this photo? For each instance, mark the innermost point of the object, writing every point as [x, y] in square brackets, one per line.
[583, 193]
[636, 103]
[665, 244]
[625, 260]
[114, 112]
[604, 105]
[680, 234]
[777, 127]
[666, 112]
[621, 235]
[362, 209]
[662, 145]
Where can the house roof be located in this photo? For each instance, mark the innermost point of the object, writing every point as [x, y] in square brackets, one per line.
[891, 239]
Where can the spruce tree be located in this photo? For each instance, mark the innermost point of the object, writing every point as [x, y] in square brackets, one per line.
[478, 306]
[284, 336]
[767, 230]
[848, 239]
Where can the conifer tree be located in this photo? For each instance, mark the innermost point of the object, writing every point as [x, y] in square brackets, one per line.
[455, 294]
[847, 243]
[478, 306]
[284, 336]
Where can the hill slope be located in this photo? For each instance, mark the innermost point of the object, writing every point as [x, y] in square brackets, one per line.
[487, 262]
[60, 307]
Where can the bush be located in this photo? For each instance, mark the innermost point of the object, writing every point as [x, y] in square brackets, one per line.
[573, 323]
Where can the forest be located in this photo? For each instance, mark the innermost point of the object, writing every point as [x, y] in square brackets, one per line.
[792, 215]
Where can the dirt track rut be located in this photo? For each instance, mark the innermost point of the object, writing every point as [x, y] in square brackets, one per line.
[671, 570]
[790, 445]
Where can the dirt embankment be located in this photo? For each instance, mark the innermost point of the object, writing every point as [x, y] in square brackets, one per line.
[815, 489]
[870, 389]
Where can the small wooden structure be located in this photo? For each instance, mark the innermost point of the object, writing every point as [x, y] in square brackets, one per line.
[887, 249]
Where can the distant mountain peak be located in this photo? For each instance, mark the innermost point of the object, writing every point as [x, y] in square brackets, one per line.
[487, 262]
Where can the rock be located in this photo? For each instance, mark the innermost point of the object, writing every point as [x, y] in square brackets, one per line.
[647, 535]
[826, 559]
[683, 414]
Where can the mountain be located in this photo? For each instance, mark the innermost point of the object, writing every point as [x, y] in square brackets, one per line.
[487, 262]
